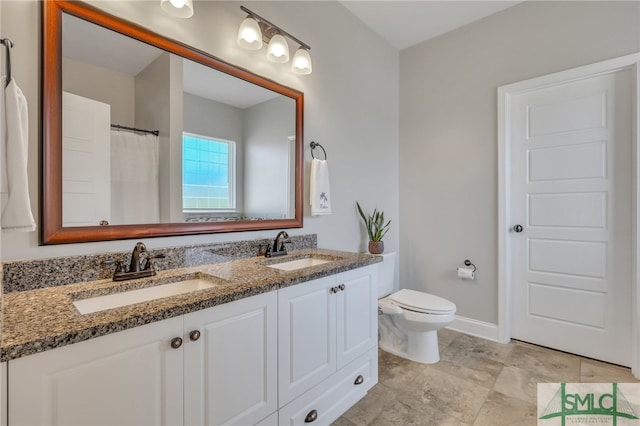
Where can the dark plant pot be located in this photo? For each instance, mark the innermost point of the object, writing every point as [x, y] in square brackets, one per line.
[376, 247]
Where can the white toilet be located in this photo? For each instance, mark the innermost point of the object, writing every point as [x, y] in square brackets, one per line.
[409, 319]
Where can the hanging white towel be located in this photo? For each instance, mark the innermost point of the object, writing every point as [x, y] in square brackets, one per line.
[16, 215]
[319, 191]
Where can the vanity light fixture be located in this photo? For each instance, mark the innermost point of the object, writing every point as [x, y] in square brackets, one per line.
[178, 8]
[255, 30]
[301, 62]
[249, 34]
[278, 50]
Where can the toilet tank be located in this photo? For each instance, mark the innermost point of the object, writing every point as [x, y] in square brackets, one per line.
[387, 275]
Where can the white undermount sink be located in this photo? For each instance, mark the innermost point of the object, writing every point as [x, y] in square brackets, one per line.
[124, 298]
[292, 265]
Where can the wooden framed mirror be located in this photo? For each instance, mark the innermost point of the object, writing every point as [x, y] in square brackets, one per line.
[256, 145]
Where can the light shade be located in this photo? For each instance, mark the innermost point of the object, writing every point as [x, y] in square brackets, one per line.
[249, 34]
[278, 50]
[301, 63]
[178, 8]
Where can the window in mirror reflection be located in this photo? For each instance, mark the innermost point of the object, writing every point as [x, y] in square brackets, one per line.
[208, 183]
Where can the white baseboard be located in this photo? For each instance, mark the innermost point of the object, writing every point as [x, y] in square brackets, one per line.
[474, 327]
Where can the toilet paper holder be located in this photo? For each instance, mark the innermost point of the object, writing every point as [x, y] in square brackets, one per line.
[466, 273]
[467, 262]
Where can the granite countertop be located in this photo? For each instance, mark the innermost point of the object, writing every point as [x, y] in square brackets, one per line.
[38, 320]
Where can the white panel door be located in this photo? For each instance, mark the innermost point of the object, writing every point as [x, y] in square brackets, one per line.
[86, 161]
[133, 377]
[231, 366]
[306, 336]
[571, 194]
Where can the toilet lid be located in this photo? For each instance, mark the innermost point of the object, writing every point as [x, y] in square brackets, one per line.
[423, 302]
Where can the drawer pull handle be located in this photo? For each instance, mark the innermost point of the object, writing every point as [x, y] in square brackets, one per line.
[311, 417]
[176, 342]
[359, 380]
[342, 287]
[194, 335]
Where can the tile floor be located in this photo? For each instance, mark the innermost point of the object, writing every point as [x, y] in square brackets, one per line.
[477, 382]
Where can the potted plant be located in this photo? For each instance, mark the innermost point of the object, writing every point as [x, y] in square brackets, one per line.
[376, 228]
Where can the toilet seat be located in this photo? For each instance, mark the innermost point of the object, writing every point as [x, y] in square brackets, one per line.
[426, 303]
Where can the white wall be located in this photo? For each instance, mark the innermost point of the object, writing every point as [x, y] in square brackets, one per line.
[268, 127]
[116, 89]
[153, 112]
[448, 136]
[351, 107]
[214, 119]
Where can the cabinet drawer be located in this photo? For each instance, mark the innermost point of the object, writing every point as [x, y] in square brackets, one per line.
[331, 398]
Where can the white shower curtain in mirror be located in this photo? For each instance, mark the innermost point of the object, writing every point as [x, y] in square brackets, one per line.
[134, 178]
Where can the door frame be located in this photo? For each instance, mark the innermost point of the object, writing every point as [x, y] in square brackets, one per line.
[505, 95]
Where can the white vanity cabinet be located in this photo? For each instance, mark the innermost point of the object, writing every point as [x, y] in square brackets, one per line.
[303, 353]
[125, 378]
[327, 345]
[226, 375]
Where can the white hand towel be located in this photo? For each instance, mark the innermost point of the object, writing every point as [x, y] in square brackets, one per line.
[16, 215]
[319, 191]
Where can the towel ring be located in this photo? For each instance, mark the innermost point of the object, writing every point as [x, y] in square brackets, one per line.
[8, 44]
[315, 145]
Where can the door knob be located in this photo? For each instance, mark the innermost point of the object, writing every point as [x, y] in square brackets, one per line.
[517, 228]
[176, 342]
[194, 335]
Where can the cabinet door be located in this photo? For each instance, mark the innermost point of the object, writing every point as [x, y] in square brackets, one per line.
[126, 378]
[357, 312]
[231, 369]
[306, 336]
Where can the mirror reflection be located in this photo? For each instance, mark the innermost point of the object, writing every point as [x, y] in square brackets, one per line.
[151, 137]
